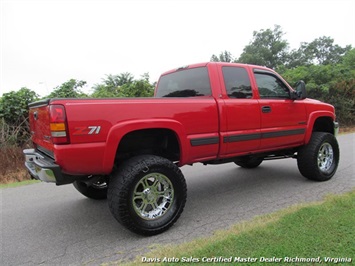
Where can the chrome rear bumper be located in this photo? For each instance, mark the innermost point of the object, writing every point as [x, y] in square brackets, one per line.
[42, 167]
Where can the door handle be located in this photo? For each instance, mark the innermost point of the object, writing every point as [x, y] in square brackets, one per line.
[266, 109]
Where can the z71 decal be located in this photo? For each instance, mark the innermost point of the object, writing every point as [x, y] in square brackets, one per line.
[90, 130]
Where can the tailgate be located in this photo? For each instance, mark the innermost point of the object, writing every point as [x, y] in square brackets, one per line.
[39, 125]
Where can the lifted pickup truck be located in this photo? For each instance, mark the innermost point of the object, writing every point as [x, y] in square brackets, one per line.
[130, 150]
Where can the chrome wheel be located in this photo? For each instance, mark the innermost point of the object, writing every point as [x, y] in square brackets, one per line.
[147, 194]
[153, 196]
[319, 159]
[325, 157]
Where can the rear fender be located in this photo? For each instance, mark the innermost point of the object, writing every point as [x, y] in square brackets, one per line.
[118, 131]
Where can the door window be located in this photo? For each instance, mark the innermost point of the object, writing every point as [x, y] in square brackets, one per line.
[270, 87]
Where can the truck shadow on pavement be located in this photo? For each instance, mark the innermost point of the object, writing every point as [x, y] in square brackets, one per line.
[213, 192]
[218, 196]
[223, 195]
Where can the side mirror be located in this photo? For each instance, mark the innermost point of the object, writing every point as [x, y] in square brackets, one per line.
[300, 92]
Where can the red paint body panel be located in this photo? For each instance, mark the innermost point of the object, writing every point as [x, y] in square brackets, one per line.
[39, 126]
[232, 127]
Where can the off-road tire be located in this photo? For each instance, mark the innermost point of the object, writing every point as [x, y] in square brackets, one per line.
[92, 192]
[147, 194]
[318, 160]
[249, 162]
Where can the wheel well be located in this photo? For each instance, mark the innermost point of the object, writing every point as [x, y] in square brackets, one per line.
[157, 141]
[323, 124]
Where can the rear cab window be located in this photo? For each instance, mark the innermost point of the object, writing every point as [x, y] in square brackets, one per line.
[237, 82]
[189, 82]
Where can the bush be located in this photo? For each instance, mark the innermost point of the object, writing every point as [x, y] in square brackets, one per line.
[334, 84]
[14, 126]
[12, 167]
[342, 96]
[14, 135]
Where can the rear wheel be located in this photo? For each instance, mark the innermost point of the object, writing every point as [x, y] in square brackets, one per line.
[249, 162]
[318, 160]
[147, 194]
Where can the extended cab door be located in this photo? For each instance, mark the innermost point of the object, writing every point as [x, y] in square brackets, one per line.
[239, 112]
[283, 120]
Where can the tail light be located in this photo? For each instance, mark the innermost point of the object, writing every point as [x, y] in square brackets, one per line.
[58, 124]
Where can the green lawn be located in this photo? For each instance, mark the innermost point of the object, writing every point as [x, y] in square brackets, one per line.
[301, 235]
[17, 184]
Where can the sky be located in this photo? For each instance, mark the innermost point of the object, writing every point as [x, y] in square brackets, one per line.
[44, 43]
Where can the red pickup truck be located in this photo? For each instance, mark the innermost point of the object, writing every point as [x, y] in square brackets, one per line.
[130, 150]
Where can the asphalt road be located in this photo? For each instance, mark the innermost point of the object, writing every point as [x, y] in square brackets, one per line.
[43, 224]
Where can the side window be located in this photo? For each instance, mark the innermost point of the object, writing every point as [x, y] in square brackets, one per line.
[237, 82]
[271, 87]
[185, 83]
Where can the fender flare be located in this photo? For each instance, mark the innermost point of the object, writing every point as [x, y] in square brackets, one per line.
[312, 119]
[118, 131]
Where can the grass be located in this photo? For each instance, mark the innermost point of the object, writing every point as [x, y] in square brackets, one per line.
[316, 231]
[17, 184]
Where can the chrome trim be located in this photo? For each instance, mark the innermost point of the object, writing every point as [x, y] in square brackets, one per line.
[40, 167]
[153, 196]
[325, 159]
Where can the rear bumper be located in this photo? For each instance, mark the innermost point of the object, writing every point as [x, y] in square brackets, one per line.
[42, 167]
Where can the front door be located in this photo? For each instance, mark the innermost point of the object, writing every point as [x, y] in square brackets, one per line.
[283, 121]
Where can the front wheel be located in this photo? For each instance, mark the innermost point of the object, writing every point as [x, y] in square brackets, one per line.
[318, 160]
[147, 194]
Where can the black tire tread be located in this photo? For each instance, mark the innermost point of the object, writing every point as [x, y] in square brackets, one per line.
[307, 156]
[119, 185]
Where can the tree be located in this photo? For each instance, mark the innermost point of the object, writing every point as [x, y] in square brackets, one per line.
[14, 116]
[223, 57]
[111, 85]
[108, 88]
[321, 51]
[112, 81]
[14, 105]
[123, 85]
[138, 88]
[328, 69]
[332, 83]
[124, 78]
[267, 48]
[69, 89]
[348, 59]
[103, 91]
[342, 96]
